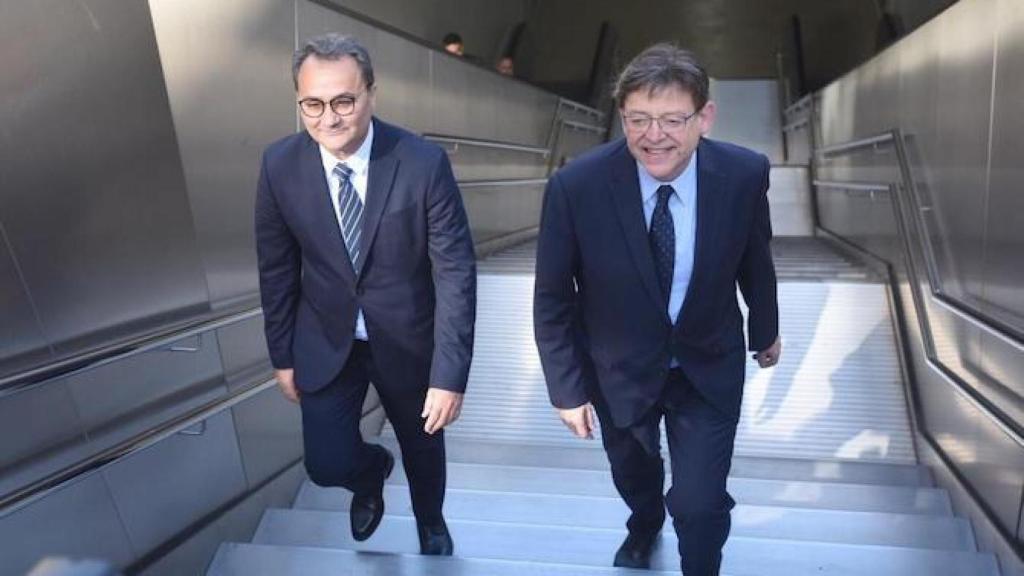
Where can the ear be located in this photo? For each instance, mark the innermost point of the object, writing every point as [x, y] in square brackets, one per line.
[707, 117]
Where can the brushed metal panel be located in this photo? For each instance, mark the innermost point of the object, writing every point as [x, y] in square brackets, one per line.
[227, 69]
[960, 152]
[39, 430]
[160, 490]
[480, 163]
[1002, 374]
[77, 521]
[243, 351]
[22, 344]
[118, 400]
[1004, 277]
[789, 199]
[94, 203]
[996, 471]
[494, 212]
[269, 434]
[748, 115]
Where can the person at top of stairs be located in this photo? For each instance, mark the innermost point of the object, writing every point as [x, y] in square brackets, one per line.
[642, 243]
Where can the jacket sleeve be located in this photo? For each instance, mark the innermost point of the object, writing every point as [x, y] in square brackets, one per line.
[556, 301]
[453, 262]
[279, 262]
[757, 274]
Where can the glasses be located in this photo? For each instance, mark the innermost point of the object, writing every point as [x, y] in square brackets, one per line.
[639, 122]
[342, 105]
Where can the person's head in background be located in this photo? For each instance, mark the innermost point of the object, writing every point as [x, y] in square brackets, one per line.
[453, 44]
[505, 66]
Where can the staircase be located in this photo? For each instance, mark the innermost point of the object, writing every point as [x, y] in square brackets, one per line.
[825, 472]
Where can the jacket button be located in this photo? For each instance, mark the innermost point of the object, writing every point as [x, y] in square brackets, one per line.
[359, 291]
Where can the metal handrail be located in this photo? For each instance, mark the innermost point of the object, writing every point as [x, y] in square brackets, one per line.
[581, 108]
[480, 143]
[501, 183]
[583, 127]
[853, 185]
[46, 485]
[795, 106]
[117, 352]
[869, 142]
[796, 125]
[895, 137]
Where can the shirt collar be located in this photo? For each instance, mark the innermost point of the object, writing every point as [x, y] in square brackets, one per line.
[649, 184]
[359, 162]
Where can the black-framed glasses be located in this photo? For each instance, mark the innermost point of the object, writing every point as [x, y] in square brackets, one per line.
[343, 105]
[640, 122]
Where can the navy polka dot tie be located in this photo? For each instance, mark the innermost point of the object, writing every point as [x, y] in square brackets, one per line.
[662, 237]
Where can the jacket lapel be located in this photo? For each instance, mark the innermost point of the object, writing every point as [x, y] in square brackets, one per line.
[380, 180]
[321, 208]
[709, 199]
[625, 191]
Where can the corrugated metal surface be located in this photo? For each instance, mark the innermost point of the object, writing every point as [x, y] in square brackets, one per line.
[836, 394]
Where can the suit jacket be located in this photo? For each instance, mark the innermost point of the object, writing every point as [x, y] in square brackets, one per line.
[600, 318]
[416, 285]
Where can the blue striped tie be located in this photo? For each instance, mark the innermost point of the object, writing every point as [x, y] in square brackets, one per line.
[350, 208]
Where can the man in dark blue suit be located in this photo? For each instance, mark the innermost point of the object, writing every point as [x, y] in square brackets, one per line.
[642, 244]
[367, 273]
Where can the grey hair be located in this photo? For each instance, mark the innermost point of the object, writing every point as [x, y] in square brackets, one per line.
[661, 66]
[333, 47]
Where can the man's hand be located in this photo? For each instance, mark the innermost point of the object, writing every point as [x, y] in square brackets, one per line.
[441, 408]
[286, 382]
[770, 356]
[579, 419]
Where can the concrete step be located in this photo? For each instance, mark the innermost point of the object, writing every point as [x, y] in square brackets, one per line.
[596, 546]
[263, 560]
[590, 456]
[880, 528]
[751, 491]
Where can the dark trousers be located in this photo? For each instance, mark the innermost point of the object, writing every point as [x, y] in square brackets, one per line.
[700, 441]
[336, 454]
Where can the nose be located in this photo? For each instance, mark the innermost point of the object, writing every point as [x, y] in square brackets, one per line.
[654, 131]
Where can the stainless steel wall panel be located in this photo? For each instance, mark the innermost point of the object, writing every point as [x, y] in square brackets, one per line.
[748, 115]
[120, 399]
[243, 352]
[39, 431]
[93, 196]
[1004, 276]
[269, 434]
[22, 344]
[960, 153]
[76, 521]
[228, 74]
[404, 94]
[481, 163]
[162, 489]
[1002, 373]
[497, 211]
[789, 201]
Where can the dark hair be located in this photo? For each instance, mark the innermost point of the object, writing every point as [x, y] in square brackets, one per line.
[451, 38]
[661, 66]
[333, 47]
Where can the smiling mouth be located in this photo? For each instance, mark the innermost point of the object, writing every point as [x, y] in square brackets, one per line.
[656, 151]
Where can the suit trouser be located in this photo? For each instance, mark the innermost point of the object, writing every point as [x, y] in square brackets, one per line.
[700, 440]
[336, 454]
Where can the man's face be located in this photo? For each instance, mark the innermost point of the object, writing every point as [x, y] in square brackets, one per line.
[664, 148]
[456, 48]
[338, 81]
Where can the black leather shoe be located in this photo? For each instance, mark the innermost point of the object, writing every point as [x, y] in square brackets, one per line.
[367, 509]
[435, 540]
[635, 551]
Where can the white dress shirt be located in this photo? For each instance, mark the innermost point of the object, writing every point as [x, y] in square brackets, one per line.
[359, 162]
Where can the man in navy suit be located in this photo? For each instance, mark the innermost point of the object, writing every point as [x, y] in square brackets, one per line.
[367, 273]
[642, 244]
